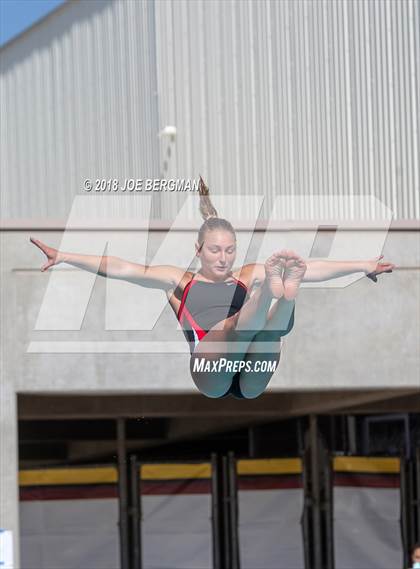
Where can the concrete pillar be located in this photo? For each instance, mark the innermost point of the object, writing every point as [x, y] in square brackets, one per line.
[11, 362]
[9, 472]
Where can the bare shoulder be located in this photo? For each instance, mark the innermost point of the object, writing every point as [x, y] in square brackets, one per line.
[250, 274]
[180, 282]
[180, 276]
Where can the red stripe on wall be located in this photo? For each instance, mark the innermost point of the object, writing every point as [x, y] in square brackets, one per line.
[154, 487]
[79, 492]
[269, 482]
[91, 492]
[367, 480]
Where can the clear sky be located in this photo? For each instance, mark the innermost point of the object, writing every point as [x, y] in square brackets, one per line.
[17, 15]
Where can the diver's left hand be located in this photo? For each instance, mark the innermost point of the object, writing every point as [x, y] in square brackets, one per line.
[376, 267]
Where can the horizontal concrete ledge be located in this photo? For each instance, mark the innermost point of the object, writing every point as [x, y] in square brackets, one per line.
[70, 269]
[271, 405]
[116, 347]
[239, 225]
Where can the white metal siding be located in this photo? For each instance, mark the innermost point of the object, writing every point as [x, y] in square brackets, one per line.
[78, 100]
[297, 97]
[287, 97]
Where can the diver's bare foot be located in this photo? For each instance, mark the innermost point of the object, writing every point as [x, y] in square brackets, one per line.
[294, 271]
[274, 267]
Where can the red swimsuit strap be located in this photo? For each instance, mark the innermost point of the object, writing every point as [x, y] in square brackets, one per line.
[184, 297]
[194, 325]
[241, 283]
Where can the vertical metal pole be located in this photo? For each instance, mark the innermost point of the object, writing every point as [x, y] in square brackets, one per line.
[123, 494]
[251, 442]
[407, 440]
[226, 513]
[135, 512]
[233, 502]
[351, 429]
[333, 443]
[305, 513]
[215, 512]
[404, 516]
[140, 507]
[328, 477]
[418, 489]
[300, 436]
[316, 512]
[411, 484]
[344, 445]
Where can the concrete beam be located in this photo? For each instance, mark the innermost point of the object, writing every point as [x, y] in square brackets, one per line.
[269, 405]
[190, 426]
[406, 404]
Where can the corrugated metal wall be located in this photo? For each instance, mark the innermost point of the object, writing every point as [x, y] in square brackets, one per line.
[299, 97]
[288, 97]
[78, 100]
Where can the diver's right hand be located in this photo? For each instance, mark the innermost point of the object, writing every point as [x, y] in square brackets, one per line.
[54, 257]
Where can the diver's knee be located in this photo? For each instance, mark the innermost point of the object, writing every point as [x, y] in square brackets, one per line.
[211, 394]
[252, 393]
[211, 388]
[290, 324]
[211, 384]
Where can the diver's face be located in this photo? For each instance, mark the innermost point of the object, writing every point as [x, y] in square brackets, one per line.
[218, 253]
[416, 555]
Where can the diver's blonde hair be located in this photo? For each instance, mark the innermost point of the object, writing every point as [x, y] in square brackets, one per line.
[210, 215]
[207, 209]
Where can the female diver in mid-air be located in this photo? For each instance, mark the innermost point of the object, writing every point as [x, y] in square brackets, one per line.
[224, 324]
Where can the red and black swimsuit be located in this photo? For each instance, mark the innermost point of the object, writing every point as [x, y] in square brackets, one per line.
[204, 304]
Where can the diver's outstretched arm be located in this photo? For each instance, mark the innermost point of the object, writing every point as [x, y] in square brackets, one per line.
[160, 276]
[318, 270]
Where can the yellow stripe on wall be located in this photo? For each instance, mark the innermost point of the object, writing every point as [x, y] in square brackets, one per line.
[174, 471]
[68, 476]
[366, 464]
[269, 466]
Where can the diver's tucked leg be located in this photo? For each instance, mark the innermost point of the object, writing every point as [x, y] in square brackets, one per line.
[253, 315]
[224, 345]
[263, 353]
[254, 323]
[212, 373]
[261, 366]
[212, 363]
